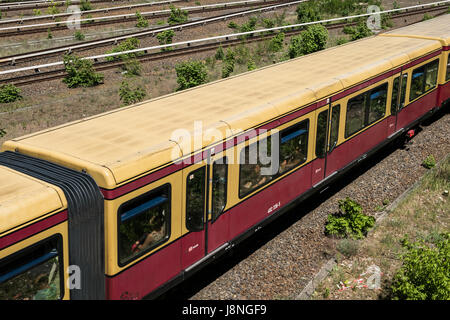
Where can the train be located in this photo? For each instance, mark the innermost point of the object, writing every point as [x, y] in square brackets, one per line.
[129, 203]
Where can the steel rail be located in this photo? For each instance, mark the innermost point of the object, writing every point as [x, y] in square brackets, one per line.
[16, 6]
[223, 41]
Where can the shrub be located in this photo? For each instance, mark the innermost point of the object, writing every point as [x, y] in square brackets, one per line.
[126, 45]
[219, 54]
[350, 221]
[9, 93]
[308, 12]
[314, 39]
[425, 273]
[358, 32]
[52, 9]
[85, 5]
[251, 65]
[80, 73]
[268, 23]
[295, 47]
[276, 44]
[348, 247]
[341, 41]
[426, 17]
[2, 133]
[49, 34]
[165, 37]
[132, 67]
[79, 35]
[228, 64]
[141, 21]
[177, 15]
[190, 74]
[429, 162]
[131, 96]
[37, 12]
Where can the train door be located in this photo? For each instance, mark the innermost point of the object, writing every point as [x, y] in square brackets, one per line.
[218, 223]
[318, 169]
[194, 204]
[398, 101]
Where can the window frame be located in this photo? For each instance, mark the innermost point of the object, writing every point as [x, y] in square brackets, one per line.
[204, 167]
[330, 147]
[366, 109]
[156, 244]
[425, 71]
[212, 186]
[307, 120]
[325, 145]
[27, 250]
[447, 77]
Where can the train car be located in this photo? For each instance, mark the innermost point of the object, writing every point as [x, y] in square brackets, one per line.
[436, 29]
[155, 191]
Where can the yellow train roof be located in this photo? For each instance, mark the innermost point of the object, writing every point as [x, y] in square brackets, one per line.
[23, 198]
[117, 146]
[437, 28]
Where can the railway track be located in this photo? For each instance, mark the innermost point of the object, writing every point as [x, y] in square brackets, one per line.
[101, 21]
[29, 5]
[187, 49]
[57, 51]
[22, 20]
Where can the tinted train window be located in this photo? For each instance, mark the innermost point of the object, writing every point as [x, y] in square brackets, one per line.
[144, 223]
[321, 138]
[356, 108]
[448, 67]
[403, 93]
[219, 187]
[377, 103]
[293, 146]
[365, 109]
[424, 79]
[395, 96]
[334, 134]
[35, 273]
[253, 159]
[195, 199]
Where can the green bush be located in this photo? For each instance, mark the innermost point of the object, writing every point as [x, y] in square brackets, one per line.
[52, 9]
[314, 39]
[425, 273]
[126, 45]
[349, 222]
[49, 34]
[276, 43]
[37, 12]
[9, 93]
[130, 96]
[132, 67]
[429, 162]
[85, 5]
[79, 35]
[358, 32]
[177, 15]
[308, 12]
[295, 47]
[141, 21]
[228, 64]
[251, 65]
[219, 54]
[80, 73]
[165, 37]
[190, 74]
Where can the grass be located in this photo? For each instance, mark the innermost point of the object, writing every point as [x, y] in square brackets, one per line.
[423, 214]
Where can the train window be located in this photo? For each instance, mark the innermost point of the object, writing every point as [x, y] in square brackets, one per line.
[365, 109]
[219, 187]
[424, 79]
[355, 114]
[293, 146]
[35, 273]
[448, 67]
[253, 168]
[403, 93]
[395, 96]
[377, 103]
[144, 223]
[334, 134]
[321, 138]
[195, 199]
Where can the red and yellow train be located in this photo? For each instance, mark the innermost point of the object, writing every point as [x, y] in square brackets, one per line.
[126, 204]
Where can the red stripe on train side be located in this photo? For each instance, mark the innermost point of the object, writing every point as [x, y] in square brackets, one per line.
[33, 229]
[423, 59]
